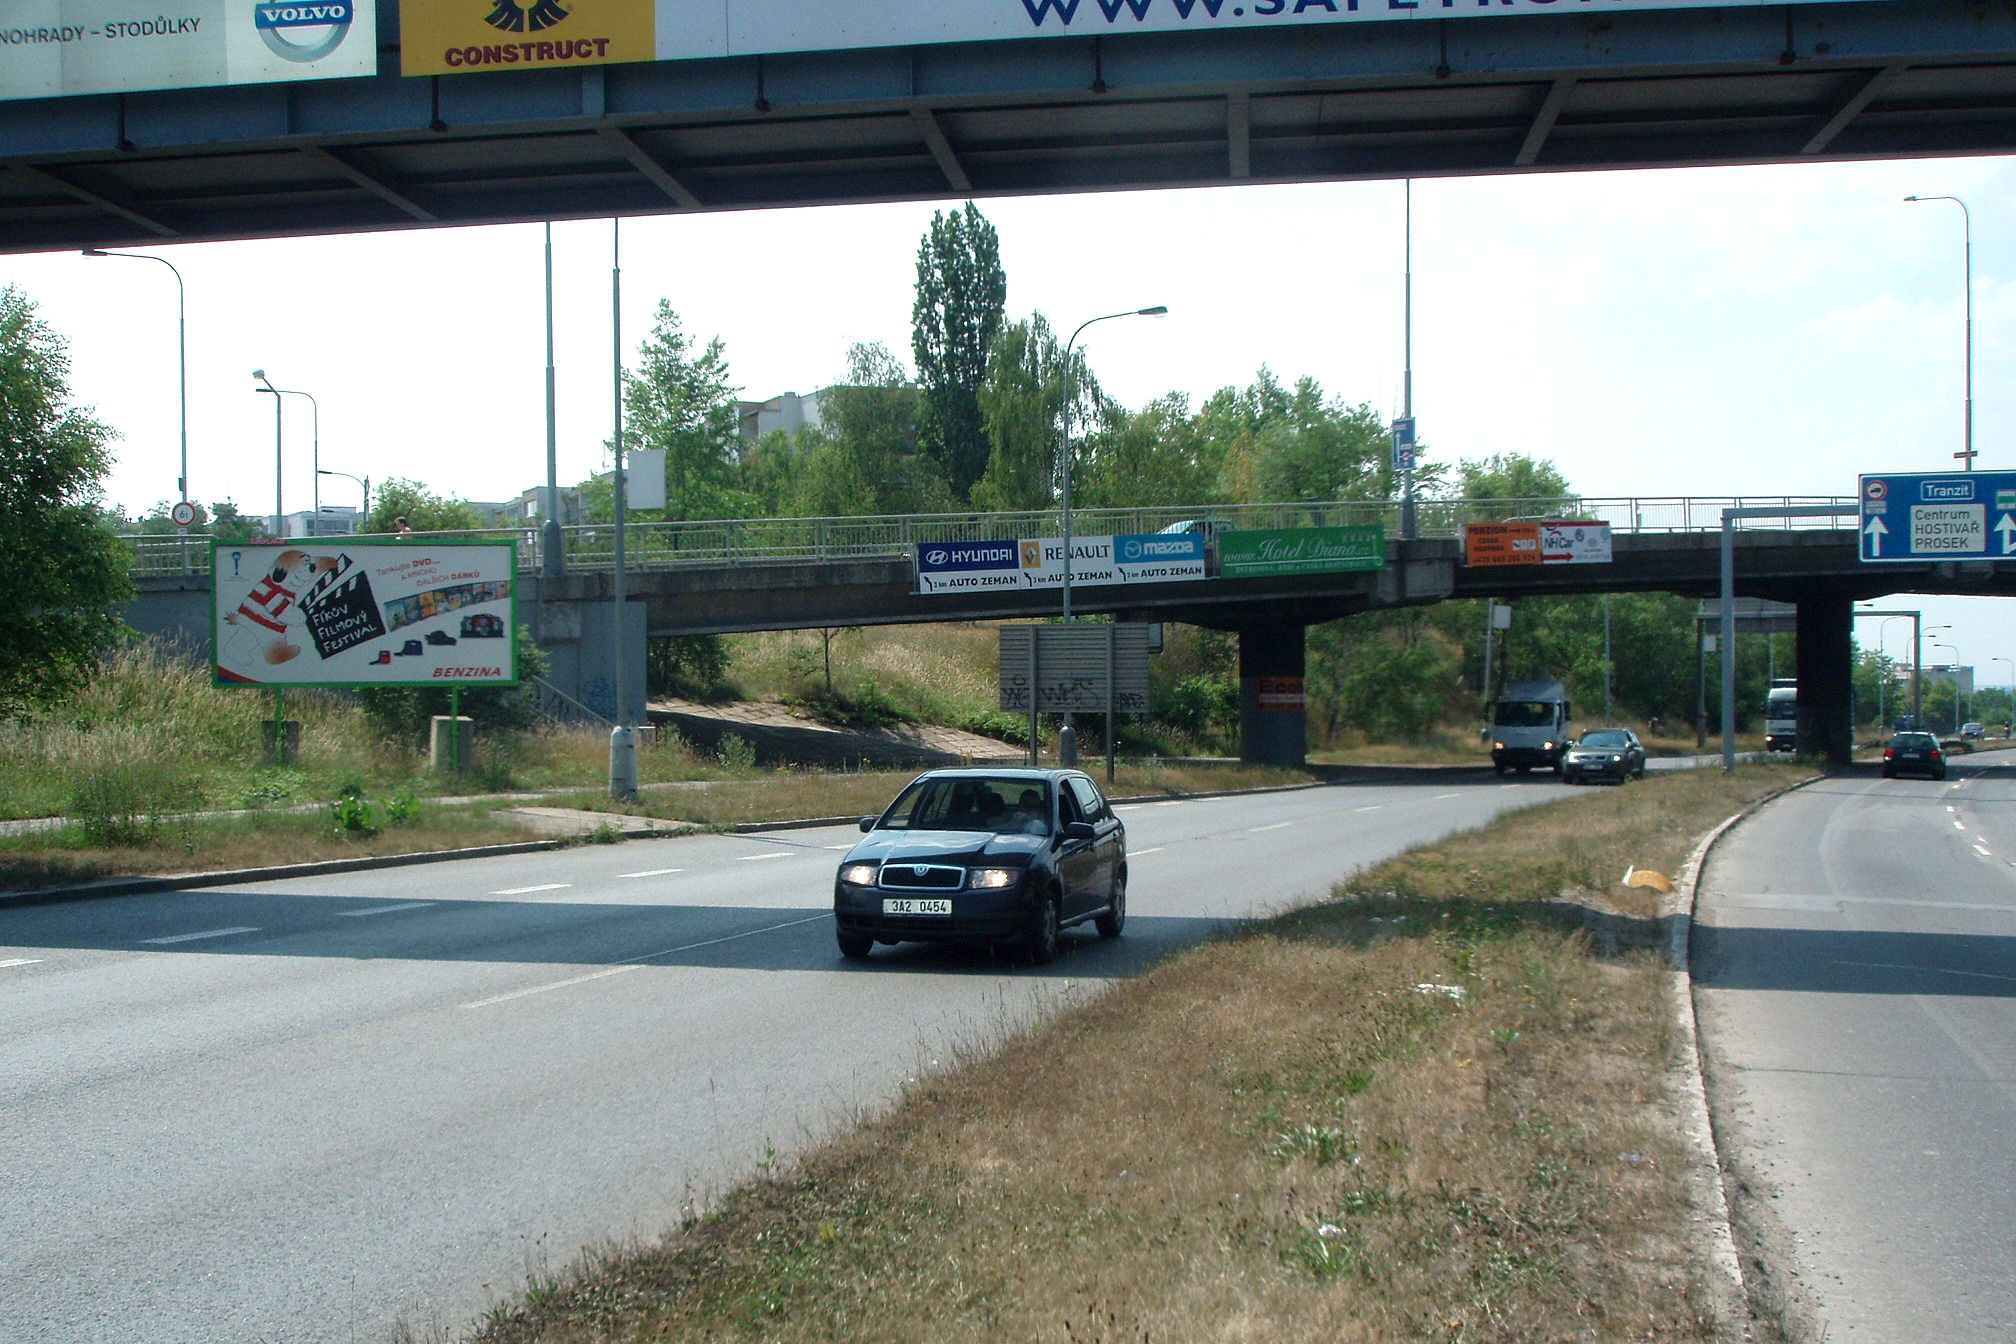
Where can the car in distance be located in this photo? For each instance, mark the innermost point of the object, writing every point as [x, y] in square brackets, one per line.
[1604, 753]
[1972, 732]
[1914, 754]
[993, 856]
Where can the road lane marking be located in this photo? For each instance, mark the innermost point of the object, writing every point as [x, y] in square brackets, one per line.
[1959, 825]
[839, 846]
[1137, 853]
[1928, 970]
[1374, 808]
[1949, 806]
[1275, 827]
[385, 909]
[755, 858]
[1982, 850]
[207, 933]
[653, 872]
[637, 963]
[1440, 796]
[527, 891]
[20, 961]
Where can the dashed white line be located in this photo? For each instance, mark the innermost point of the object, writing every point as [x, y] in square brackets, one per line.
[1374, 808]
[1959, 825]
[753, 858]
[526, 891]
[21, 961]
[1137, 853]
[1982, 850]
[637, 963]
[1440, 796]
[193, 937]
[653, 872]
[385, 909]
[1275, 827]
[839, 846]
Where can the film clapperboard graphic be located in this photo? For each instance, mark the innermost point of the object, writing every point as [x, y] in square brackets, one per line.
[341, 610]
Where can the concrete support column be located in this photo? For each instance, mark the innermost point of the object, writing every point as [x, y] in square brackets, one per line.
[1272, 721]
[1826, 669]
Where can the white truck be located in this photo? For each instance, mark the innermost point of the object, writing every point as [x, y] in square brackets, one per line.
[1781, 716]
[1529, 726]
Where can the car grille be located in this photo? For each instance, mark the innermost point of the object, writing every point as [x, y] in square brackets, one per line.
[922, 877]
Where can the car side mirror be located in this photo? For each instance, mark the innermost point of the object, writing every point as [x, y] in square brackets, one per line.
[1080, 830]
[867, 823]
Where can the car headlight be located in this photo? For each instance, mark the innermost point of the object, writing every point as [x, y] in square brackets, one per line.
[992, 878]
[1497, 746]
[859, 874]
[1547, 746]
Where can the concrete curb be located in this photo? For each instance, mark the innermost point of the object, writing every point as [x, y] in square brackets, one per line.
[1715, 1233]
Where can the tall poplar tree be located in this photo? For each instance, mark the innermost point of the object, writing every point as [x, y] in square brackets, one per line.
[962, 293]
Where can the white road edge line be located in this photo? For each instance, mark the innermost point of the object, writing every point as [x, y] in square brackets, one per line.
[207, 933]
[653, 872]
[1928, 970]
[774, 854]
[526, 891]
[385, 910]
[20, 961]
[637, 963]
[1275, 827]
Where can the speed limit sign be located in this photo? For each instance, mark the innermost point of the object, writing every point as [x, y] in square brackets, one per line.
[187, 514]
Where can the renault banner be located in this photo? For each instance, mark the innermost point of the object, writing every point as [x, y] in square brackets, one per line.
[1038, 562]
[49, 48]
[336, 612]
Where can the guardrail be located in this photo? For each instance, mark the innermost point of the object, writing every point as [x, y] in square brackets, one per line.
[737, 540]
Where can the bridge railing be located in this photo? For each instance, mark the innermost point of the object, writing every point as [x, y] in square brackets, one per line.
[662, 545]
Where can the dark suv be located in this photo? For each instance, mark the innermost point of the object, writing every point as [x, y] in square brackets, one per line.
[991, 856]
[1914, 754]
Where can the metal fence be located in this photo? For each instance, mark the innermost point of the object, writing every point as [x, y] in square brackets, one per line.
[739, 540]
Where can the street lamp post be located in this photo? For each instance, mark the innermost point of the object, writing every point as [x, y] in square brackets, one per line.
[1882, 655]
[1956, 683]
[315, 514]
[1918, 670]
[1966, 455]
[181, 350]
[365, 482]
[1067, 738]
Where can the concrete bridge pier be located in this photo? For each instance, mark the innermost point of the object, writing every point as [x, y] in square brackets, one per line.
[1825, 671]
[1272, 720]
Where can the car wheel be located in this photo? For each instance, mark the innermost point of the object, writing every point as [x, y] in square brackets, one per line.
[1115, 918]
[1041, 949]
[855, 946]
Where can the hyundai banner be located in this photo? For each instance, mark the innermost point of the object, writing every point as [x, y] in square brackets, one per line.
[336, 612]
[1038, 562]
[49, 48]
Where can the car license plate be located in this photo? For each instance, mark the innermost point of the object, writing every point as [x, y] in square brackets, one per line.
[913, 905]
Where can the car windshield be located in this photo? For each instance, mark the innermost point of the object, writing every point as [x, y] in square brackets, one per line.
[1004, 805]
[1525, 714]
[1615, 740]
[1912, 740]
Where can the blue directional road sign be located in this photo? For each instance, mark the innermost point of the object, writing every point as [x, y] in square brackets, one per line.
[1953, 516]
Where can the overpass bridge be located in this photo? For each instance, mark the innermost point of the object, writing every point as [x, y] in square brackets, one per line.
[1110, 96]
[728, 576]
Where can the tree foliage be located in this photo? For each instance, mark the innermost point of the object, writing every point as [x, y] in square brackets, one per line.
[962, 294]
[65, 570]
[679, 399]
[423, 510]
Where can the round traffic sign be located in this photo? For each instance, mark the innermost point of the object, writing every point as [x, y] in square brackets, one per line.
[187, 514]
[1876, 489]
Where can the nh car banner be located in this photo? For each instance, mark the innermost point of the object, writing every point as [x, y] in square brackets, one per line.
[333, 612]
[694, 28]
[1038, 562]
[49, 48]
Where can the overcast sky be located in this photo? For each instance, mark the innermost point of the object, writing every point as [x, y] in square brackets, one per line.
[1705, 331]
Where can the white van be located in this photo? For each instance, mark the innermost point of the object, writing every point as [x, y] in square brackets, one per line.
[1529, 726]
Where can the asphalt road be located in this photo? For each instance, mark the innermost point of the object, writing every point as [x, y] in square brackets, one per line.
[1855, 972]
[307, 1110]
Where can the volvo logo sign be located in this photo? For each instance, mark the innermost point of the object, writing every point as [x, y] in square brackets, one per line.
[303, 32]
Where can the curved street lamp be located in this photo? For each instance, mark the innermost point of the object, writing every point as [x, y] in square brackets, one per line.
[1967, 217]
[280, 518]
[181, 350]
[1956, 681]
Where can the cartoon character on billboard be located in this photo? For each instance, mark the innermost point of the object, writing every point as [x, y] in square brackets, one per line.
[260, 630]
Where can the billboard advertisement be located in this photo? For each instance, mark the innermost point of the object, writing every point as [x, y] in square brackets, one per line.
[1038, 562]
[1536, 542]
[336, 612]
[439, 37]
[49, 48]
[1300, 550]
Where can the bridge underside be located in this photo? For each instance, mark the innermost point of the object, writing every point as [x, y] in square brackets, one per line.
[1534, 93]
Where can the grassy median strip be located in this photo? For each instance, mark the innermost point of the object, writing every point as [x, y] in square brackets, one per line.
[1424, 1109]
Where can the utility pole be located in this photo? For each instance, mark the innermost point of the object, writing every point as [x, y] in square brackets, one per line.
[622, 741]
[552, 556]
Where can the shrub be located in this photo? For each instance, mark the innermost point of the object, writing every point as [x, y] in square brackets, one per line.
[121, 790]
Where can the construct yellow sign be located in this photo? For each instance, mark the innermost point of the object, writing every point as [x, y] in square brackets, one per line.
[438, 37]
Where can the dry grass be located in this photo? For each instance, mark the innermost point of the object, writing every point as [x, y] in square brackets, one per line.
[1278, 1136]
[945, 673]
[183, 845]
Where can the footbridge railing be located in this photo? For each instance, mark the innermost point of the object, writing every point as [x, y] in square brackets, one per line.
[660, 545]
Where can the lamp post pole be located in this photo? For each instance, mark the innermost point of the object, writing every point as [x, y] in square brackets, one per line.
[1407, 520]
[181, 353]
[315, 408]
[622, 741]
[1067, 738]
[1918, 670]
[1956, 683]
[552, 558]
[1966, 455]
[364, 482]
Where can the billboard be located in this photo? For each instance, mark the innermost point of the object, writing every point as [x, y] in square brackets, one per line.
[1065, 667]
[1300, 550]
[336, 612]
[1536, 542]
[49, 48]
[1038, 562]
[438, 37]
